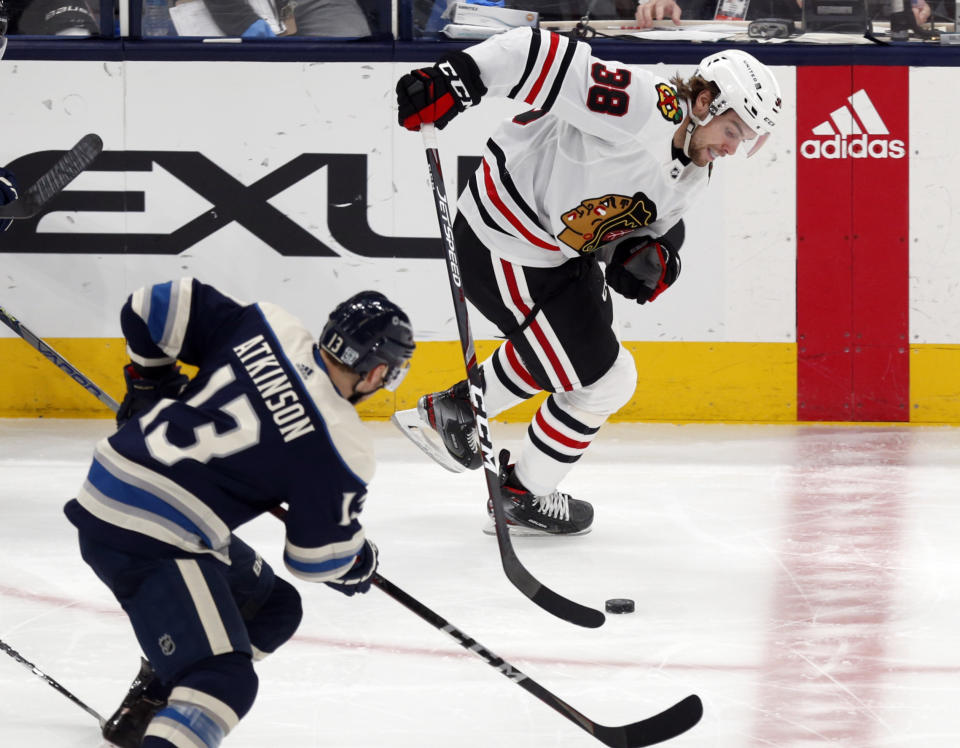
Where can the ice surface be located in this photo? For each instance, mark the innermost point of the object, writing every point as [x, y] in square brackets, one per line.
[804, 580]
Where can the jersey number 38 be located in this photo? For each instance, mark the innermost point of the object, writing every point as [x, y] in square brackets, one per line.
[608, 95]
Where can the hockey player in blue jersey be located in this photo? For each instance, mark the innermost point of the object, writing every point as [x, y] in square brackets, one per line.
[268, 418]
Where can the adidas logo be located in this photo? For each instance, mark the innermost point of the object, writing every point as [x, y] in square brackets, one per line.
[854, 131]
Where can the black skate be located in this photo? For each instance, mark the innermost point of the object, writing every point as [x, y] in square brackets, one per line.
[449, 416]
[145, 698]
[554, 514]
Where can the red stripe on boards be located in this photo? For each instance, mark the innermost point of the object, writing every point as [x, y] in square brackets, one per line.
[852, 249]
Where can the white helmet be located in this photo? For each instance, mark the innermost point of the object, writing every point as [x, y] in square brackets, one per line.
[747, 86]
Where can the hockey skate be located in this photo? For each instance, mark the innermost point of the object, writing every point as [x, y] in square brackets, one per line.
[554, 514]
[126, 726]
[444, 426]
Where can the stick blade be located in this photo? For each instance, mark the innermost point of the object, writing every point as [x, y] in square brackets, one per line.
[538, 593]
[64, 171]
[656, 729]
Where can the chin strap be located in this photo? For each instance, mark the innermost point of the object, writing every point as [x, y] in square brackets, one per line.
[692, 124]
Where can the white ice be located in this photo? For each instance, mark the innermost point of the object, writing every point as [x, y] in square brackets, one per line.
[804, 580]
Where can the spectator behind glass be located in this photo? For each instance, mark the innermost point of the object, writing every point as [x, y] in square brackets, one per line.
[52, 17]
[658, 10]
[329, 18]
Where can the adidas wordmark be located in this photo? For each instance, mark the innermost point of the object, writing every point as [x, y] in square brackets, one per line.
[854, 131]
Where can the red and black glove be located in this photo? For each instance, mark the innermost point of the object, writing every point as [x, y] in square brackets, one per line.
[438, 94]
[642, 269]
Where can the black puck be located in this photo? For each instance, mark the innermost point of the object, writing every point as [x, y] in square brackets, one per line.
[619, 605]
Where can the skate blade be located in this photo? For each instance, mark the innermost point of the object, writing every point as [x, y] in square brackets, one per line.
[522, 531]
[409, 423]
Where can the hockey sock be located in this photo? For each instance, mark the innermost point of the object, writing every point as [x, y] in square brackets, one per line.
[507, 380]
[205, 704]
[556, 438]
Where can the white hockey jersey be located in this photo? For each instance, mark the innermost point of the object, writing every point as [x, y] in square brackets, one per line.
[590, 163]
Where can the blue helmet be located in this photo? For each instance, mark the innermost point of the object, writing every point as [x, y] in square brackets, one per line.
[367, 330]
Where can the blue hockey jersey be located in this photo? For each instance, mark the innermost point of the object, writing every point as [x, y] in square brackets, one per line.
[259, 424]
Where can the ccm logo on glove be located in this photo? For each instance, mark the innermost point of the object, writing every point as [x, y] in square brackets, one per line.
[439, 93]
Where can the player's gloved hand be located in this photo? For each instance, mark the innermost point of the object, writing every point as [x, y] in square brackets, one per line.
[642, 269]
[8, 193]
[357, 578]
[259, 29]
[147, 386]
[438, 94]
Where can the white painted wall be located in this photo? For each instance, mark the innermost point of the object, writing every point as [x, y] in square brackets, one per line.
[249, 118]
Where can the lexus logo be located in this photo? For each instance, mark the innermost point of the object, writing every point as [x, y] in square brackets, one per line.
[230, 200]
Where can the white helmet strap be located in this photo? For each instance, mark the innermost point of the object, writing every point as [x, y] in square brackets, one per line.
[693, 124]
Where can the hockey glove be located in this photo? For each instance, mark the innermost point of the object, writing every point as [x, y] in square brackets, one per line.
[8, 193]
[148, 386]
[642, 269]
[357, 578]
[438, 94]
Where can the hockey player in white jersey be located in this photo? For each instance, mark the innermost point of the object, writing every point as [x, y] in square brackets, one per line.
[268, 418]
[600, 169]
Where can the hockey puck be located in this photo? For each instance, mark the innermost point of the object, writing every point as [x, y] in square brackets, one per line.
[619, 605]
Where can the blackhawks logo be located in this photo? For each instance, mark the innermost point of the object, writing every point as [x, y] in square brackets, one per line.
[600, 220]
[668, 103]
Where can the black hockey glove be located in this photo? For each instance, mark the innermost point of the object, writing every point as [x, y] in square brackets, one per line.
[357, 579]
[8, 193]
[147, 386]
[642, 269]
[438, 94]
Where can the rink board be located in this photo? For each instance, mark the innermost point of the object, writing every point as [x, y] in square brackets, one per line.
[291, 196]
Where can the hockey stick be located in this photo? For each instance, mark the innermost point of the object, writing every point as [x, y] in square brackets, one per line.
[59, 361]
[516, 572]
[67, 167]
[663, 726]
[50, 681]
[668, 724]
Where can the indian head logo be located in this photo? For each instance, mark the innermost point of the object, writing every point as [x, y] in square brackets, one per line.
[599, 220]
[668, 104]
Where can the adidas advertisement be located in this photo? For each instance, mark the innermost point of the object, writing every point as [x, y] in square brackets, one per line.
[853, 243]
[855, 130]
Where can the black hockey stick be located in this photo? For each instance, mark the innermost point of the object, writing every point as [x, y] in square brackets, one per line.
[50, 681]
[67, 167]
[59, 361]
[668, 724]
[516, 572]
[663, 726]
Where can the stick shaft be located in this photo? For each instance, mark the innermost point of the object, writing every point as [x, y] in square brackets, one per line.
[56, 359]
[515, 571]
[50, 681]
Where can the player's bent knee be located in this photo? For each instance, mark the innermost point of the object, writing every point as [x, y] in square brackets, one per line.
[277, 620]
[206, 703]
[611, 391]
